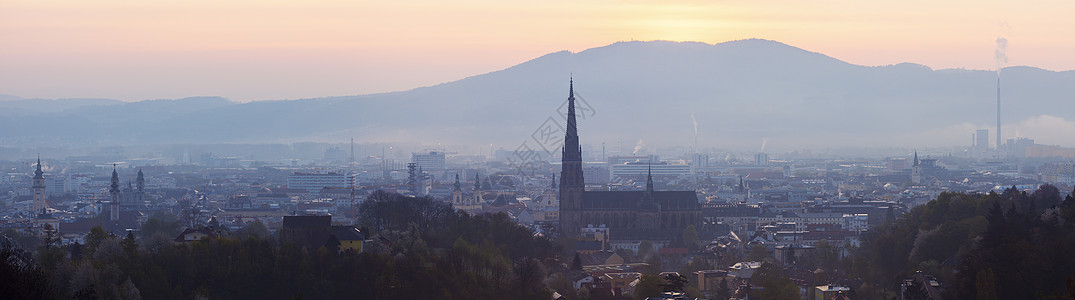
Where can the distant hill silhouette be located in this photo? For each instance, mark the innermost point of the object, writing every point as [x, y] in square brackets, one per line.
[739, 92]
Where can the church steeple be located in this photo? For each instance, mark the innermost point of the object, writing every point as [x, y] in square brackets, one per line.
[115, 180]
[40, 202]
[114, 192]
[457, 193]
[647, 196]
[39, 174]
[572, 150]
[915, 164]
[141, 181]
[649, 179]
[572, 183]
[571, 87]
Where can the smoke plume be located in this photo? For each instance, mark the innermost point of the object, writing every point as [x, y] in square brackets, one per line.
[638, 147]
[1001, 53]
[695, 122]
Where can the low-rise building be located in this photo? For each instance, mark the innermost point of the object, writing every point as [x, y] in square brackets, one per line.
[192, 235]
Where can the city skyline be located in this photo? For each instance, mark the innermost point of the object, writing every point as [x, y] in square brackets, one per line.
[422, 149]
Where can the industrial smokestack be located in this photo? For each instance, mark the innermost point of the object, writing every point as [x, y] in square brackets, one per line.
[1001, 55]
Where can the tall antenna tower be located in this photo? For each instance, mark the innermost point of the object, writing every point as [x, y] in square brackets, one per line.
[351, 174]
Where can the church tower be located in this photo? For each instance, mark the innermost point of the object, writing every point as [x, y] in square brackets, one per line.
[140, 189]
[114, 192]
[742, 192]
[141, 181]
[916, 170]
[468, 202]
[457, 193]
[476, 198]
[571, 182]
[548, 199]
[649, 211]
[39, 189]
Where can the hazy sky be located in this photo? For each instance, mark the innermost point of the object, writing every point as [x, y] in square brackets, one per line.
[264, 49]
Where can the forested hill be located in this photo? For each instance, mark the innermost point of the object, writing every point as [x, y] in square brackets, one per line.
[423, 249]
[995, 246]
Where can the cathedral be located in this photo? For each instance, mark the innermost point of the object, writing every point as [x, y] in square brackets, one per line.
[129, 199]
[470, 203]
[628, 214]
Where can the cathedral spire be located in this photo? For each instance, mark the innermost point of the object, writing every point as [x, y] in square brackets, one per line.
[457, 182]
[571, 87]
[572, 184]
[647, 202]
[572, 151]
[915, 164]
[649, 178]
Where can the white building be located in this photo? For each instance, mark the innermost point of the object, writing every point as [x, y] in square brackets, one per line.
[856, 222]
[641, 169]
[744, 269]
[761, 159]
[314, 182]
[429, 162]
[54, 185]
[77, 182]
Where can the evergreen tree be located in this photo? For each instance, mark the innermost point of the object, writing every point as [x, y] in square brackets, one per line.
[986, 285]
[576, 264]
[690, 237]
[723, 291]
[645, 249]
[648, 286]
[75, 250]
[129, 245]
[758, 253]
[95, 237]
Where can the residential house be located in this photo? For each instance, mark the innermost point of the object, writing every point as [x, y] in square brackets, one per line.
[709, 280]
[306, 231]
[829, 291]
[349, 237]
[191, 235]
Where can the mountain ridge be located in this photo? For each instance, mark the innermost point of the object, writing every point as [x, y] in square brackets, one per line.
[738, 91]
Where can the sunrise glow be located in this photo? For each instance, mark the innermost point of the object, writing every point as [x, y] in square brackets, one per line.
[298, 49]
